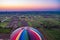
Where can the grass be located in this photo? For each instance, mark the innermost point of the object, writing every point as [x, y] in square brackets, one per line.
[29, 23]
[19, 24]
[50, 34]
[4, 30]
[54, 34]
[3, 24]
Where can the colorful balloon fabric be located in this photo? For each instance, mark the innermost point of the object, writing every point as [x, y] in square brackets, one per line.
[26, 33]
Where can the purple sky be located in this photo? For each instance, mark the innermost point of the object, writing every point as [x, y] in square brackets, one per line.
[28, 5]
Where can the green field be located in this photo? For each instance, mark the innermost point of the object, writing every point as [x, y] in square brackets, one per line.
[54, 33]
[5, 31]
[3, 24]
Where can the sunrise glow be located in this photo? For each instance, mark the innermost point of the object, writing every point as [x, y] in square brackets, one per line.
[28, 5]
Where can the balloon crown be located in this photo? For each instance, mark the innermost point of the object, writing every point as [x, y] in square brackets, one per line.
[26, 33]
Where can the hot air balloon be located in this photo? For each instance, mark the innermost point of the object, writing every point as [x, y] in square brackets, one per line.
[26, 33]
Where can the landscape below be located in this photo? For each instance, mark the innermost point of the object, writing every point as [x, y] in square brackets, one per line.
[47, 22]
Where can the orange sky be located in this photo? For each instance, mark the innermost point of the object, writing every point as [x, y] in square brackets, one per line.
[23, 7]
[28, 4]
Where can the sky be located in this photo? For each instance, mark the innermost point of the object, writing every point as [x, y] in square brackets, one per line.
[29, 5]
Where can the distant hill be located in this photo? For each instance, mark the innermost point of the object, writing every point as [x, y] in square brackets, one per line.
[31, 12]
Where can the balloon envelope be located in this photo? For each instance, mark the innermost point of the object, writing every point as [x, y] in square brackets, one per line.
[26, 33]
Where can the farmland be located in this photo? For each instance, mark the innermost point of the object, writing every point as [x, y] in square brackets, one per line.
[49, 24]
